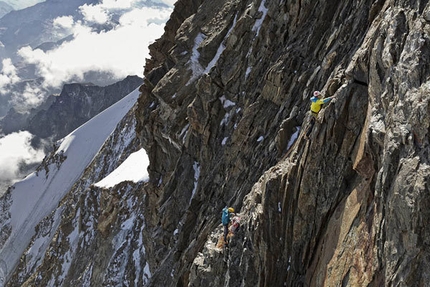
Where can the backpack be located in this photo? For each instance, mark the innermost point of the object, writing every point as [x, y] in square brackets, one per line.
[235, 224]
[225, 216]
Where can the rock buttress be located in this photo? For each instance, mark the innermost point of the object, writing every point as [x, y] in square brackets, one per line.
[219, 121]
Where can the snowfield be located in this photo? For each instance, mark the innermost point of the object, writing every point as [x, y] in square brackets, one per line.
[39, 194]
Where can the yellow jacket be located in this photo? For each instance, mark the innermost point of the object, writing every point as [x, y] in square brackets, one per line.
[317, 104]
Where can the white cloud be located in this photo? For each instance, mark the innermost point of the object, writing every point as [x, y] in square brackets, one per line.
[8, 75]
[169, 2]
[15, 149]
[31, 96]
[114, 4]
[64, 22]
[62, 27]
[94, 13]
[119, 52]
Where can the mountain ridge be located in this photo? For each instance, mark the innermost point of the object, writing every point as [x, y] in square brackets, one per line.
[79, 102]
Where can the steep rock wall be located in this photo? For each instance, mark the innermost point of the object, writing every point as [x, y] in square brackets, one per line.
[216, 115]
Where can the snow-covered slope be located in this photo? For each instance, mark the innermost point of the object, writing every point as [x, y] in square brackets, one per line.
[132, 169]
[4, 8]
[39, 194]
[21, 4]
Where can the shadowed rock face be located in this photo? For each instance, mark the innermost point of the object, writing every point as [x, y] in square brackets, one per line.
[222, 98]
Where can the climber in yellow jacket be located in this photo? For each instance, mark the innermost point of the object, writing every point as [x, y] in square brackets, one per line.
[317, 101]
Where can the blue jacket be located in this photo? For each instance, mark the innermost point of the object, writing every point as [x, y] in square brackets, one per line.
[225, 216]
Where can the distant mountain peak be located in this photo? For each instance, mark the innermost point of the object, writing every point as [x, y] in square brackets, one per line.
[20, 4]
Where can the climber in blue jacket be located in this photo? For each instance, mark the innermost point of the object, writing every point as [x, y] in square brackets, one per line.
[227, 213]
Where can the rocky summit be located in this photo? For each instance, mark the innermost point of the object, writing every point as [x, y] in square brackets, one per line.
[222, 114]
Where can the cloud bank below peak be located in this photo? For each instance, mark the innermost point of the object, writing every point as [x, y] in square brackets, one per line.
[19, 154]
[101, 43]
[119, 51]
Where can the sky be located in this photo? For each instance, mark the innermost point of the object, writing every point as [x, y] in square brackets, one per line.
[39, 194]
[121, 52]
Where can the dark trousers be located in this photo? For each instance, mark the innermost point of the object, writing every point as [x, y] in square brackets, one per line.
[312, 123]
[225, 232]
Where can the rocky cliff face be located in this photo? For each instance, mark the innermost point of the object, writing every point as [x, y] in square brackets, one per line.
[222, 115]
[219, 110]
